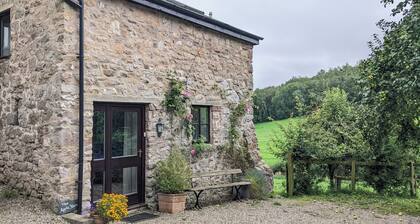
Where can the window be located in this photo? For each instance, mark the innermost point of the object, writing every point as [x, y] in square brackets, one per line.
[201, 123]
[5, 34]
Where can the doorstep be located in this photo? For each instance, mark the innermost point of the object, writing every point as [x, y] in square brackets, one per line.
[74, 218]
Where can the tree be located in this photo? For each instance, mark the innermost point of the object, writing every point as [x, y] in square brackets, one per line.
[329, 133]
[391, 80]
[391, 89]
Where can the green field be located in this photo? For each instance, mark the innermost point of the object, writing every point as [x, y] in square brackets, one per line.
[265, 132]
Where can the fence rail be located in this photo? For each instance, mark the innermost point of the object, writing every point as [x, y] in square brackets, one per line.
[352, 177]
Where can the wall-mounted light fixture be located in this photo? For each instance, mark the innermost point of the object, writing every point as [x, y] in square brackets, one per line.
[159, 127]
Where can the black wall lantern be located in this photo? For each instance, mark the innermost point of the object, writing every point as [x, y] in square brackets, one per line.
[159, 127]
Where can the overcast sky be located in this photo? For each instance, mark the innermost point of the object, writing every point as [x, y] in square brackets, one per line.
[301, 37]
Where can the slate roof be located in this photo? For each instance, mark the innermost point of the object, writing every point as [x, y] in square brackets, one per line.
[185, 12]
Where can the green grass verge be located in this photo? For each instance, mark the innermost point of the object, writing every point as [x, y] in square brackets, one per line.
[364, 197]
[265, 132]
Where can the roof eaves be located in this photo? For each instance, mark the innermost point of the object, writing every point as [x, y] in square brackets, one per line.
[200, 19]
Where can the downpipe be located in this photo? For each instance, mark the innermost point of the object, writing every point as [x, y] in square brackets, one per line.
[80, 6]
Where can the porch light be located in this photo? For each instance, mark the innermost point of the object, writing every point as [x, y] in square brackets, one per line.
[159, 127]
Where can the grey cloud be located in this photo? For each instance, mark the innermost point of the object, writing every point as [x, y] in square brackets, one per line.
[301, 37]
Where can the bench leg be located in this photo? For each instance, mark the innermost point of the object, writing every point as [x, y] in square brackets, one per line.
[237, 195]
[197, 199]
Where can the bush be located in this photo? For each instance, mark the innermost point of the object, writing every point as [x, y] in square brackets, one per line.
[173, 175]
[9, 193]
[259, 188]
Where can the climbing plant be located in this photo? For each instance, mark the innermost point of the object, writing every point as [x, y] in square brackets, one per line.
[236, 150]
[177, 102]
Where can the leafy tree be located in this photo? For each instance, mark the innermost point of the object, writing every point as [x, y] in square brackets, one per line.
[329, 133]
[391, 89]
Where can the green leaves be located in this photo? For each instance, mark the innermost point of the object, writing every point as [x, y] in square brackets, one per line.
[175, 99]
[173, 175]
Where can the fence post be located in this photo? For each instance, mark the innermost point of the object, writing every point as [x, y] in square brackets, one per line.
[353, 175]
[413, 180]
[290, 174]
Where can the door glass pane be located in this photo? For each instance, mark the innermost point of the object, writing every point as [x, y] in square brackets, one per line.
[204, 115]
[124, 181]
[124, 133]
[98, 181]
[98, 135]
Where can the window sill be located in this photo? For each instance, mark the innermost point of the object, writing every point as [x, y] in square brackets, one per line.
[5, 57]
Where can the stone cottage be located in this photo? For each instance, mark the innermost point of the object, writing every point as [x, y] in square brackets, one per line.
[112, 61]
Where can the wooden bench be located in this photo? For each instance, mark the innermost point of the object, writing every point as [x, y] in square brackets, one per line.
[233, 184]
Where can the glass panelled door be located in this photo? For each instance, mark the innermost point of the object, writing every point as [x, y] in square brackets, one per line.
[118, 151]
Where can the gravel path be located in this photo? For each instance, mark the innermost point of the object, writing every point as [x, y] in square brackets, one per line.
[283, 211]
[21, 210]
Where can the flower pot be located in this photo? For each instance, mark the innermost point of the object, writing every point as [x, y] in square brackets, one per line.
[172, 203]
[98, 219]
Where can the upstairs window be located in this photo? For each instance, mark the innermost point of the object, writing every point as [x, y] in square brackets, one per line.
[201, 123]
[5, 34]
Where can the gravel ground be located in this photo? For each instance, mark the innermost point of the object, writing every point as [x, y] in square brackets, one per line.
[283, 211]
[22, 210]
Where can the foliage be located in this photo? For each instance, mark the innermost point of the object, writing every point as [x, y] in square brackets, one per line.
[177, 102]
[236, 150]
[200, 146]
[259, 188]
[188, 124]
[176, 98]
[113, 207]
[237, 113]
[329, 133]
[173, 175]
[9, 193]
[391, 89]
[301, 96]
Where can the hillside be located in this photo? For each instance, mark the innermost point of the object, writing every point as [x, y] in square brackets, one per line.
[300, 96]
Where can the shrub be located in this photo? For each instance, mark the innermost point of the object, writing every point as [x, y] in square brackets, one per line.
[173, 175]
[113, 207]
[200, 146]
[9, 193]
[259, 188]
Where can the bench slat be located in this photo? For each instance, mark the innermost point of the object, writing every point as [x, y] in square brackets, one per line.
[216, 173]
[243, 183]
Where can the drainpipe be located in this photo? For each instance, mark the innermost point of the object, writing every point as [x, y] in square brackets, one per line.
[80, 5]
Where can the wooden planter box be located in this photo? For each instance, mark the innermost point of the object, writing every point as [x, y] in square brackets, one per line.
[172, 203]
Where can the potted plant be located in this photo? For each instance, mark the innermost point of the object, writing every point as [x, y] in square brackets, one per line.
[112, 207]
[173, 177]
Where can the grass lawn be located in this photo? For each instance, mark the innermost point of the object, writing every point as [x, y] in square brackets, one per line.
[265, 132]
[364, 197]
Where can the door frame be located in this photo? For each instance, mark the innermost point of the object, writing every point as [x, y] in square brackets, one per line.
[105, 164]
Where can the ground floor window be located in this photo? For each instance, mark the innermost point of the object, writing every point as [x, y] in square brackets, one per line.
[201, 123]
[5, 34]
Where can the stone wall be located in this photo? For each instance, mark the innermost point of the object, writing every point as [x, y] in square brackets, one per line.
[130, 52]
[32, 158]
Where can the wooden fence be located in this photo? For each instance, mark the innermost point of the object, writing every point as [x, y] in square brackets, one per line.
[352, 177]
